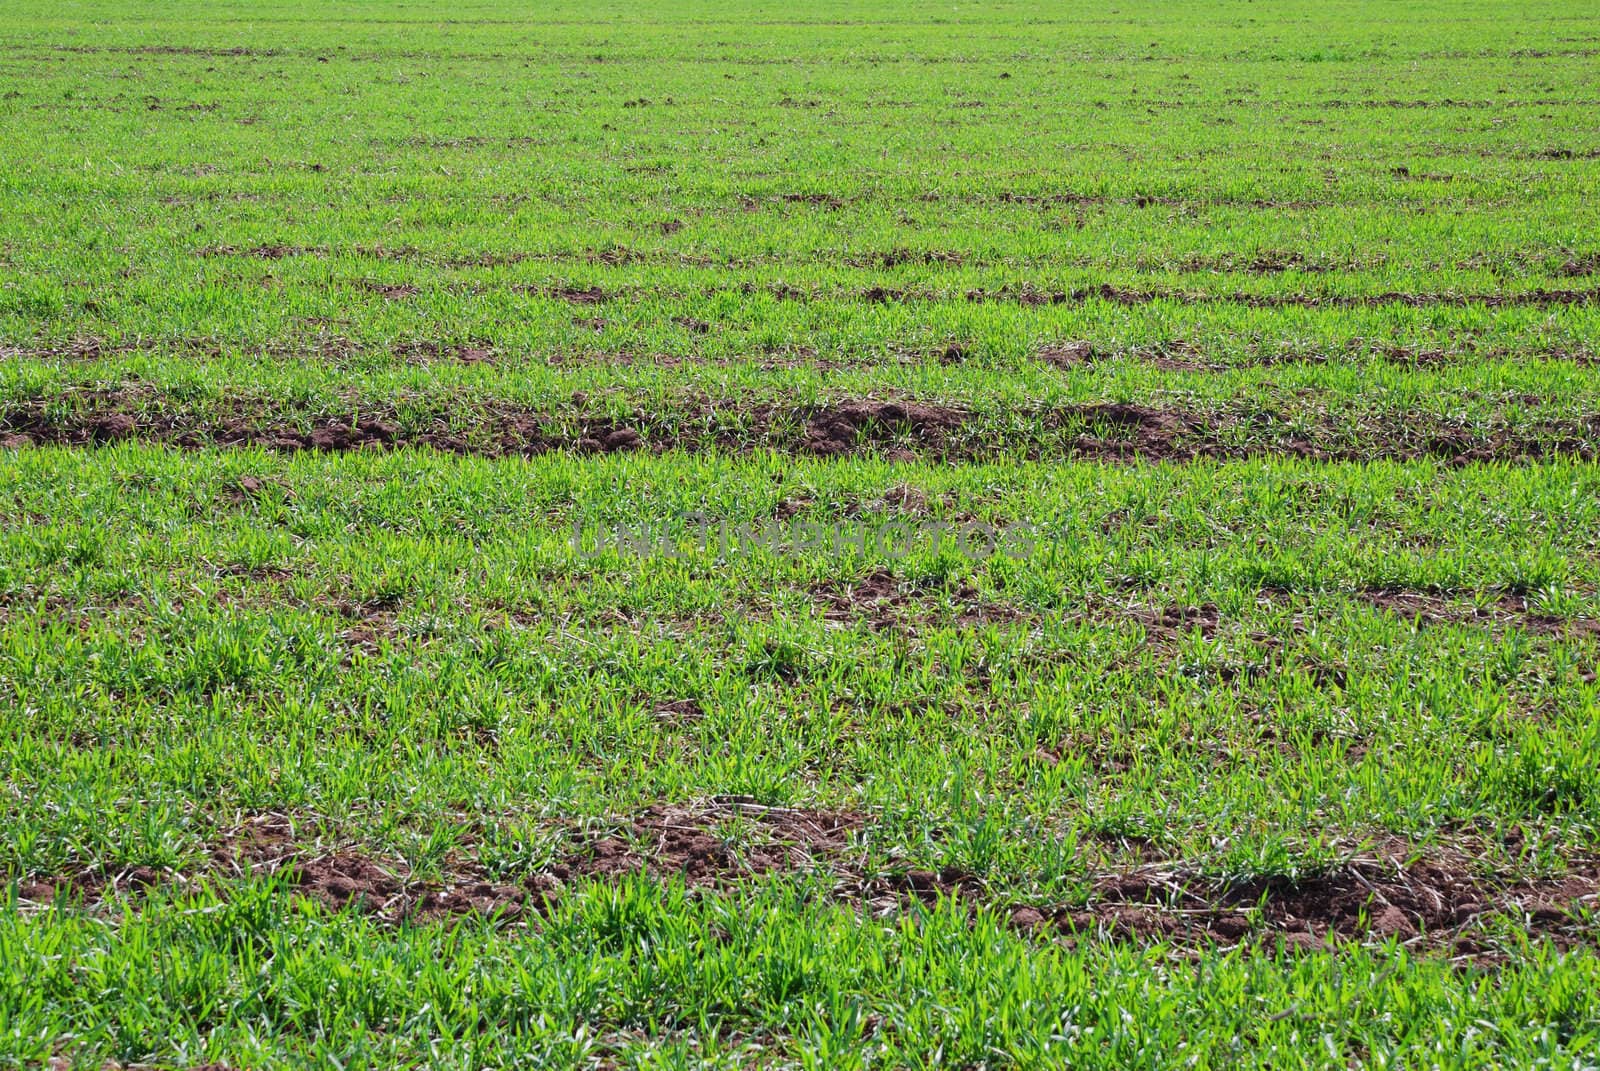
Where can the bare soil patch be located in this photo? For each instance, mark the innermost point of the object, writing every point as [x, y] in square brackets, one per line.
[1435, 904]
[719, 843]
[1505, 611]
[822, 200]
[1566, 154]
[426, 351]
[391, 291]
[265, 251]
[345, 877]
[834, 430]
[575, 295]
[1170, 623]
[886, 601]
[894, 258]
[1581, 265]
[1123, 431]
[1071, 354]
[87, 885]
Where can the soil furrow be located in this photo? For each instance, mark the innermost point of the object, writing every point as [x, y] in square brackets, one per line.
[896, 430]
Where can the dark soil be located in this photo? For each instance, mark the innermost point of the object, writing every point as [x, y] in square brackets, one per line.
[834, 430]
[1508, 610]
[1175, 356]
[1071, 355]
[88, 886]
[426, 351]
[1027, 295]
[894, 258]
[1170, 623]
[607, 438]
[1441, 902]
[899, 430]
[576, 295]
[1121, 431]
[1567, 154]
[1584, 264]
[680, 712]
[886, 601]
[268, 251]
[717, 844]
[391, 291]
[686, 842]
[1435, 904]
[1169, 357]
[347, 877]
[1440, 905]
[251, 488]
[824, 200]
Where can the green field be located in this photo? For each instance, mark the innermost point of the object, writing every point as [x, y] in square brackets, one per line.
[1109, 569]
